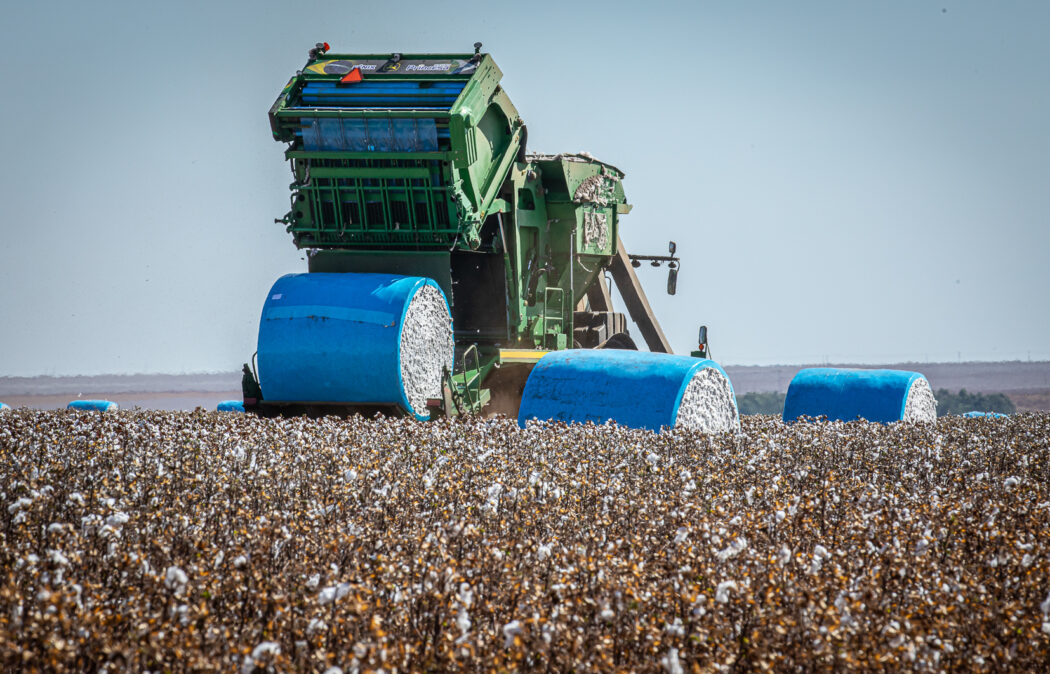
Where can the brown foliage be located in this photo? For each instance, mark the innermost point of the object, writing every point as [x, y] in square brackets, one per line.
[150, 540]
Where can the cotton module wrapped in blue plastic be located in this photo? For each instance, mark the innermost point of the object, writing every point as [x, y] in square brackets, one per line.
[4, 406]
[985, 415]
[94, 405]
[846, 394]
[230, 406]
[633, 388]
[357, 339]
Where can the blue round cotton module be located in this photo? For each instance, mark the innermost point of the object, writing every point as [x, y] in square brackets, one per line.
[365, 339]
[632, 388]
[846, 394]
[230, 406]
[4, 406]
[985, 415]
[93, 405]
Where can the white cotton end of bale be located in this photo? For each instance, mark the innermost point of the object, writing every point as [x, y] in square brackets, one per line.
[708, 404]
[427, 347]
[920, 405]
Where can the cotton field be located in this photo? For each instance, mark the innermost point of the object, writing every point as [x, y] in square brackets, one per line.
[175, 541]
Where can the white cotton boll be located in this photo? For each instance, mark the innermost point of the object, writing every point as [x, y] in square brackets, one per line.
[117, 519]
[510, 631]
[56, 528]
[681, 535]
[466, 595]
[1011, 482]
[784, 556]
[333, 670]
[607, 615]
[313, 581]
[327, 595]
[737, 546]
[821, 551]
[463, 621]
[1045, 606]
[239, 561]
[333, 592]
[266, 648]
[58, 558]
[722, 591]
[315, 625]
[175, 578]
[218, 559]
[19, 504]
[543, 552]
[671, 663]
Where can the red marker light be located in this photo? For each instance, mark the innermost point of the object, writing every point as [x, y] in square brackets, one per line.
[353, 76]
[326, 47]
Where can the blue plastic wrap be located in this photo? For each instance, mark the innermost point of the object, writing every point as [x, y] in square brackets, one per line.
[369, 135]
[230, 406]
[95, 405]
[336, 338]
[985, 415]
[847, 394]
[633, 388]
[4, 406]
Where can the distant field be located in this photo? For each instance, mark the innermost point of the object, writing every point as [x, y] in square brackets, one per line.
[1027, 384]
[1031, 401]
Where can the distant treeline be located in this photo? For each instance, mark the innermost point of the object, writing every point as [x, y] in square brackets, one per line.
[947, 403]
[964, 401]
[761, 403]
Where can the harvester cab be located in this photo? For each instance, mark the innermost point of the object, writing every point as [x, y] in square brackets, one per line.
[444, 260]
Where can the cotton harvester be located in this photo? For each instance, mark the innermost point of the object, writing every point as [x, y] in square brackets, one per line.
[452, 272]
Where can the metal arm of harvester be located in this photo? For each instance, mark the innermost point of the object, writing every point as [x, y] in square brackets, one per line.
[637, 303]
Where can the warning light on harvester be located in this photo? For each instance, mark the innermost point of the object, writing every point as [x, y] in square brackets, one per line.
[318, 49]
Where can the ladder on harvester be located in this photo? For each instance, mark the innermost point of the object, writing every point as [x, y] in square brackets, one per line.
[464, 394]
[553, 322]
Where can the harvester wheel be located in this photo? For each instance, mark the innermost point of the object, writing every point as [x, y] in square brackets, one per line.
[621, 340]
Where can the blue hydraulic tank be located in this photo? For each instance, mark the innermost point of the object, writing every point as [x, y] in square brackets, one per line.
[846, 394]
[335, 338]
[95, 405]
[637, 389]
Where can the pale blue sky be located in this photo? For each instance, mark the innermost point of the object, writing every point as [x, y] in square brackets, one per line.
[856, 181]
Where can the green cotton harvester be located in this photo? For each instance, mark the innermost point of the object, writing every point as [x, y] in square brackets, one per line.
[451, 271]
